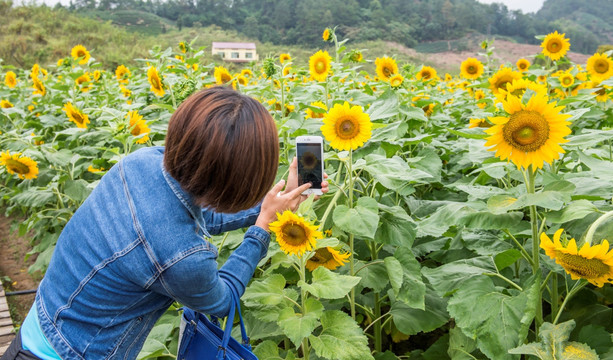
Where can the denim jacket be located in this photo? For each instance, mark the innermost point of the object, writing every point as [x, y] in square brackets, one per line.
[138, 243]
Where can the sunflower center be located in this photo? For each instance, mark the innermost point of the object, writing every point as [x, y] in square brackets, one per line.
[471, 69]
[601, 66]
[321, 256]
[503, 81]
[78, 118]
[386, 71]
[523, 66]
[225, 78]
[526, 130]
[553, 46]
[294, 234]
[17, 166]
[426, 75]
[567, 80]
[80, 53]
[519, 92]
[347, 128]
[580, 266]
[320, 67]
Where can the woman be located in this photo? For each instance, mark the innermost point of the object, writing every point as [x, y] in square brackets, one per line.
[139, 241]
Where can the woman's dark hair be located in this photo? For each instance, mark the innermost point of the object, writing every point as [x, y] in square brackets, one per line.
[222, 147]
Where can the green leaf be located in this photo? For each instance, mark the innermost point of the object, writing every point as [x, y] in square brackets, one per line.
[553, 200]
[384, 107]
[362, 220]
[393, 173]
[34, 198]
[496, 320]
[507, 258]
[429, 162]
[555, 345]
[412, 321]
[449, 277]
[395, 227]
[575, 210]
[412, 290]
[374, 277]
[266, 292]
[327, 284]
[298, 326]
[468, 135]
[340, 339]
[60, 158]
[77, 190]
[488, 221]
[460, 345]
[267, 350]
[596, 337]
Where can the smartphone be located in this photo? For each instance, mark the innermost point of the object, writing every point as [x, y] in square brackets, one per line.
[310, 155]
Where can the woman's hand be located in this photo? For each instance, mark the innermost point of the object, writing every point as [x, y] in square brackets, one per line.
[292, 180]
[276, 201]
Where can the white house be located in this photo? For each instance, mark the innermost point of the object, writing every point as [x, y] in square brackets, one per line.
[235, 51]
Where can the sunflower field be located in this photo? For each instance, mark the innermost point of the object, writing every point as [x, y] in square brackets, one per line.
[467, 216]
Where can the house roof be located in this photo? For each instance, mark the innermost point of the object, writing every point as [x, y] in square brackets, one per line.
[233, 45]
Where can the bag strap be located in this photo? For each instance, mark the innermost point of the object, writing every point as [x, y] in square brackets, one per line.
[234, 306]
[245, 338]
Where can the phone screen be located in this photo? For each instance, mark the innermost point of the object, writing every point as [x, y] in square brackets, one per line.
[309, 164]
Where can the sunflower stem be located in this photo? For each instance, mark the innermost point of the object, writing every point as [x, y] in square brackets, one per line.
[553, 294]
[303, 295]
[521, 247]
[578, 286]
[594, 226]
[351, 257]
[377, 330]
[530, 185]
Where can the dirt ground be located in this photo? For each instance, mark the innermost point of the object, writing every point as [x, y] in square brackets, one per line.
[504, 52]
[14, 269]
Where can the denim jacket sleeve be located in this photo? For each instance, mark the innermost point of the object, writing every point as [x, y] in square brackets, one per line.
[217, 223]
[196, 282]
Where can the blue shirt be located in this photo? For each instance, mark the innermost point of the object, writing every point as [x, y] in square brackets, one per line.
[138, 243]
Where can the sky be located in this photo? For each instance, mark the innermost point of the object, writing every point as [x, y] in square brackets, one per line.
[526, 6]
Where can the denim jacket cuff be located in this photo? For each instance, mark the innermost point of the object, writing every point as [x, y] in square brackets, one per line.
[261, 235]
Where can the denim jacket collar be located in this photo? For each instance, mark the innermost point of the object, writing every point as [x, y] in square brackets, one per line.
[187, 200]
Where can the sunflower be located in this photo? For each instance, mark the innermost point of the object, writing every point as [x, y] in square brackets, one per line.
[247, 73]
[448, 77]
[566, 80]
[183, 47]
[480, 95]
[522, 64]
[295, 234]
[328, 258]
[356, 56]
[39, 87]
[242, 80]
[518, 87]
[94, 170]
[287, 70]
[5, 104]
[156, 83]
[284, 57]
[138, 126]
[531, 134]
[319, 65]
[555, 45]
[122, 73]
[10, 79]
[83, 80]
[426, 73]
[501, 78]
[80, 52]
[396, 80]
[542, 78]
[97, 75]
[315, 115]
[308, 160]
[600, 67]
[470, 68]
[346, 127]
[326, 35]
[593, 263]
[76, 116]
[125, 91]
[601, 92]
[23, 166]
[473, 123]
[386, 67]
[222, 75]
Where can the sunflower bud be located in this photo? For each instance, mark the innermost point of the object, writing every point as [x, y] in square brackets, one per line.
[269, 67]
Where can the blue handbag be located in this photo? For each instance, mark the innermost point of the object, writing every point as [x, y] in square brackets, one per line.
[203, 339]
